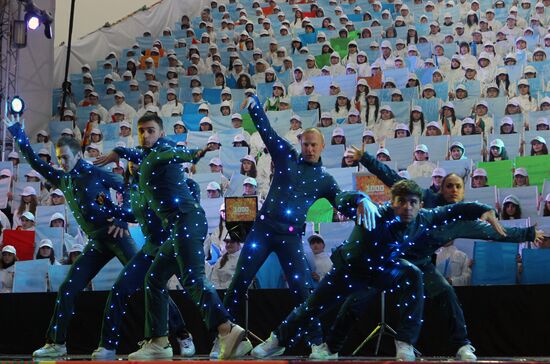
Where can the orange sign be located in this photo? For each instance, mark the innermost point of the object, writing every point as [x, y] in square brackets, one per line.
[241, 209]
[372, 186]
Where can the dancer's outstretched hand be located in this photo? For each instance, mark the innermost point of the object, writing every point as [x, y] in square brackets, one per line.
[491, 218]
[250, 102]
[106, 159]
[539, 238]
[357, 153]
[367, 212]
[10, 120]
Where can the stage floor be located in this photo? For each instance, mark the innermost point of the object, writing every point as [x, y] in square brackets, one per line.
[74, 359]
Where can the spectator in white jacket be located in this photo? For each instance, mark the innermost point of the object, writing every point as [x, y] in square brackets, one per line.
[224, 269]
[120, 103]
[421, 166]
[296, 88]
[172, 107]
[321, 263]
[454, 265]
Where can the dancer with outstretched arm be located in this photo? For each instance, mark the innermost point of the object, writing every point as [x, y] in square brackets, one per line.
[85, 187]
[163, 184]
[372, 261]
[299, 179]
[130, 280]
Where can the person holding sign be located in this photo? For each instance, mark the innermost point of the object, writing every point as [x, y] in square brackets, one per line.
[299, 179]
[82, 184]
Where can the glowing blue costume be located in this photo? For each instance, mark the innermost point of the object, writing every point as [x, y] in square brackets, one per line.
[296, 185]
[163, 184]
[370, 261]
[356, 304]
[435, 285]
[132, 276]
[81, 186]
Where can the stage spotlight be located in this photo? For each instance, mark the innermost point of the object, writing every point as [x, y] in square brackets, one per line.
[17, 105]
[35, 17]
[32, 18]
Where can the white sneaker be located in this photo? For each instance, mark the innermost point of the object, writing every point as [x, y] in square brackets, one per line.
[404, 351]
[322, 352]
[187, 347]
[466, 353]
[151, 351]
[51, 351]
[268, 348]
[243, 348]
[228, 343]
[102, 353]
[215, 349]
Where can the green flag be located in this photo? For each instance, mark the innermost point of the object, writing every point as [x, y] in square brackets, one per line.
[322, 60]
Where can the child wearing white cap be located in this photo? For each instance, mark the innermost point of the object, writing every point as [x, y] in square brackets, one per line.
[29, 202]
[538, 146]
[497, 151]
[521, 178]
[148, 104]
[248, 166]
[295, 129]
[27, 221]
[120, 103]
[385, 125]
[479, 178]
[484, 120]
[511, 208]
[421, 166]
[7, 268]
[46, 251]
[172, 107]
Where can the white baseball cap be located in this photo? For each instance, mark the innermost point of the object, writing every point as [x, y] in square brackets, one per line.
[439, 172]
[76, 248]
[521, 172]
[248, 158]
[215, 161]
[9, 249]
[421, 148]
[28, 191]
[479, 172]
[28, 215]
[213, 186]
[57, 216]
[45, 243]
[250, 181]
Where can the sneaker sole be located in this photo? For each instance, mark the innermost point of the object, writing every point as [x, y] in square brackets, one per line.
[149, 358]
[188, 355]
[49, 355]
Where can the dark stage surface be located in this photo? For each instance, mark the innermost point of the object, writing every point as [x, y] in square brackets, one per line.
[506, 323]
